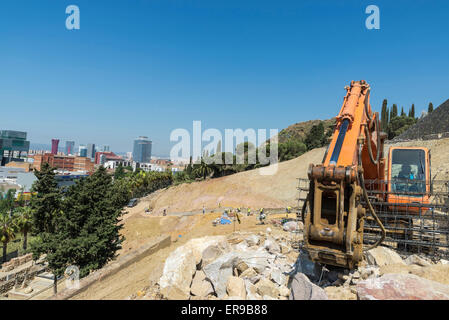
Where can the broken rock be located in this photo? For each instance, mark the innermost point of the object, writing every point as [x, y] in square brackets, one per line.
[248, 273]
[235, 287]
[382, 256]
[220, 270]
[267, 288]
[278, 277]
[415, 259]
[401, 287]
[252, 240]
[200, 286]
[303, 289]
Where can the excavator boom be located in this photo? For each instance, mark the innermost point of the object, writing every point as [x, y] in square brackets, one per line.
[334, 225]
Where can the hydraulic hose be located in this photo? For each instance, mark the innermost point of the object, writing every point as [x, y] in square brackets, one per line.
[370, 147]
[370, 207]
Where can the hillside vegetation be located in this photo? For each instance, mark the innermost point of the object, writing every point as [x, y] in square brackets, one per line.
[436, 121]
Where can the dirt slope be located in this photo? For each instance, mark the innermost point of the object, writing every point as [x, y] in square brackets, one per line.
[245, 189]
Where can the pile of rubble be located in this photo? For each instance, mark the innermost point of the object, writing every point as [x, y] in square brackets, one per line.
[239, 266]
[385, 275]
[266, 266]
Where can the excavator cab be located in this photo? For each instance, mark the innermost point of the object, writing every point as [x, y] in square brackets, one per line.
[409, 180]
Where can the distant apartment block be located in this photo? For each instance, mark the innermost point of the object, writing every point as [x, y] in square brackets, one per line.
[70, 147]
[63, 163]
[13, 146]
[142, 150]
[102, 157]
[113, 164]
[54, 146]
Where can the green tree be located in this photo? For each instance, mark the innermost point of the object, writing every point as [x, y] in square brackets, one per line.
[119, 172]
[399, 125]
[291, 149]
[87, 232]
[430, 109]
[315, 138]
[402, 112]
[394, 112]
[24, 223]
[46, 203]
[411, 112]
[8, 230]
[384, 115]
[203, 169]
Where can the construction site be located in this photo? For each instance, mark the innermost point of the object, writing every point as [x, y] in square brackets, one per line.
[360, 219]
[219, 151]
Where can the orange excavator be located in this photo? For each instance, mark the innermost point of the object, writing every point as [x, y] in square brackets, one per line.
[350, 188]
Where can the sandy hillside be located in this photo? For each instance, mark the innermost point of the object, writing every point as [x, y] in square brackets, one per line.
[245, 189]
[251, 189]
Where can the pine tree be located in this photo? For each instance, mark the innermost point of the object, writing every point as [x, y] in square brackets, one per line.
[411, 112]
[87, 232]
[430, 109]
[46, 203]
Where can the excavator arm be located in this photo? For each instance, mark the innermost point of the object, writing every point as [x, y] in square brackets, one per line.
[334, 223]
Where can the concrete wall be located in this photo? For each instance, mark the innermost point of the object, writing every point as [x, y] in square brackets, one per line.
[115, 266]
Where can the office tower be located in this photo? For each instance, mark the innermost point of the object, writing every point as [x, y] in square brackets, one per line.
[69, 147]
[13, 146]
[91, 150]
[54, 146]
[83, 151]
[142, 150]
[106, 148]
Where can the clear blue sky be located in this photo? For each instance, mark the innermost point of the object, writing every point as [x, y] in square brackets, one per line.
[147, 67]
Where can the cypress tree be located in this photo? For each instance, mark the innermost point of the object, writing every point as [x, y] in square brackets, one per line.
[411, 112]
[387, 116]
[394, 112]
[384, 116]
[402, 111]
[430, 109]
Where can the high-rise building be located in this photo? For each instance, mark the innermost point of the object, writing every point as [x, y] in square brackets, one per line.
[13, 146]
[54, 146]
[106, 148]
[69, 147]
[91, 150]
[142, 150]
[82, 151]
